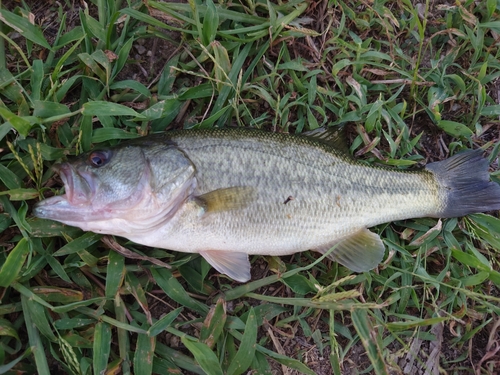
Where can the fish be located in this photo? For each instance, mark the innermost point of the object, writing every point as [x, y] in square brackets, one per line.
[230, 193]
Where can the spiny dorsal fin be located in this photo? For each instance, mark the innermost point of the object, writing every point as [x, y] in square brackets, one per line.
[360, 252]
[232, 198]
[334, 137]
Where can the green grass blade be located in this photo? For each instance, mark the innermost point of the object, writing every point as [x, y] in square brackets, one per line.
[15, 261]
[246, 351]
[102, 347]
[35, 340]
[22, 125]
[115, 274]
[214, 323]
[175, 290]
[160, 326]
[144, 354]
[204, 356]
[24, 27]
[369, 339]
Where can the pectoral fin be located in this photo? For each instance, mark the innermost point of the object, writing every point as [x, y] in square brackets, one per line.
[360, 252]
[227, 199]
[231, 263]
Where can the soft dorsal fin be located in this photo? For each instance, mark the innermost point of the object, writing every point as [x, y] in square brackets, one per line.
[226, 199]
[360, 252]
[334, 137]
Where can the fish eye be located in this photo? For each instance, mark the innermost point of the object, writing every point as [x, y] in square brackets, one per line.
[98, 158]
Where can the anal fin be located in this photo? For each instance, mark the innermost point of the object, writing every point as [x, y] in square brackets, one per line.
[360, 252]
[231, 263]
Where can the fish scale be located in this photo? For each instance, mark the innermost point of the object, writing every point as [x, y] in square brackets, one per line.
[228, 193]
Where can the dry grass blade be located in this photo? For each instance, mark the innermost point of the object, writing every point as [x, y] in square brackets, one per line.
[112, 244]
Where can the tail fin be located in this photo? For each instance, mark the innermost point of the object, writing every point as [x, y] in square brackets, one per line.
[465, 184]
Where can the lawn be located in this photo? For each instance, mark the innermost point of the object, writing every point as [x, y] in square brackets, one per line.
[411, 82]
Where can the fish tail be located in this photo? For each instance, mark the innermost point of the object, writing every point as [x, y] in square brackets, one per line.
[465, 185]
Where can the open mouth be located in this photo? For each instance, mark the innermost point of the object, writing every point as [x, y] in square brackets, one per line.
[79, 190]
[78, 185]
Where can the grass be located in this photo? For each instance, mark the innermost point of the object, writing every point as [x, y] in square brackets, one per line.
[414, 82]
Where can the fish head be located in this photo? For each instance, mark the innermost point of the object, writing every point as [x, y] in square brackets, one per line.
[122, 189]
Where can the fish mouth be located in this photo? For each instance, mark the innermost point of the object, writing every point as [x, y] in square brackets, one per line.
[79, 185]
[77, 200]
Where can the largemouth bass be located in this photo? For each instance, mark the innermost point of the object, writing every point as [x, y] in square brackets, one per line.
[227, 193]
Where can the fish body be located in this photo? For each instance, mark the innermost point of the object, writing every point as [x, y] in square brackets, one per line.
[228, 193]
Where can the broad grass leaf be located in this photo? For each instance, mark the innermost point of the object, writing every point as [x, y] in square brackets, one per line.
[469, 260]
[227, 92]
[122, 57]
[5, 368]
[71, 323]
[65, 86]
[36, 80]
[4, 221]
[106, 134]
[244, 356]
[205, 90]
[101, 108]
[174, 290]
[487, 228]
[115, 274]
[159, 326]
[57, 294]
[21, 194]
[293, 65]
[165, 367]
[43, 108]
[261, 365]
[15, 261]
[205, 357]
[94, 27]
[49, 228]
[144, 354]
[222, 64]
[455, 129]
[153, 21]
[210, 23]
[76, 33]
[21, 124]
[83, 242]
[131, 84]
[178, 358]
[86, 133]
[135, 287]
[101, 347]
[168, 76]
[213, 324]
[156, 111]
[39, 316]
[491, 110]
[476, 279]
[7, 329]
[170, 110]
[24, 27]
[89, 61]
[35, 341]
[299, 284]
[9, 178]
[47, 152]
